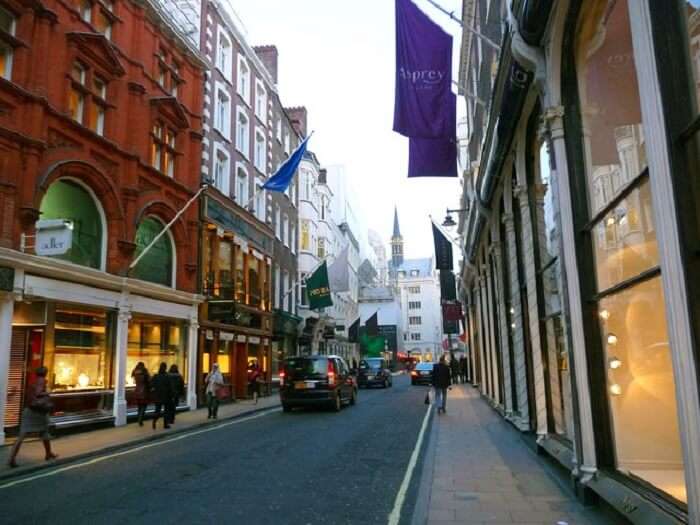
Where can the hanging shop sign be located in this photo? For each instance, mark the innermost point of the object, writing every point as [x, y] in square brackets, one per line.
[53, 236]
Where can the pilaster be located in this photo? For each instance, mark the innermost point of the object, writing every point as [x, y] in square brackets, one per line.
[120, 370]
[192, 350]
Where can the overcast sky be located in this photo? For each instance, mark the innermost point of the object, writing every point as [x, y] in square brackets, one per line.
[337, 59]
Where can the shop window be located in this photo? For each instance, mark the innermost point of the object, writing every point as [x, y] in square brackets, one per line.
[223, 287]
[163, 149]
[157, 265]
[66, 199]
[8, 26]
[154, 341]
[254, 282]
[80, 358]
[239, 274]
[640, 383]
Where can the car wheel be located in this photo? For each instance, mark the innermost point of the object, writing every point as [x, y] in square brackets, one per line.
[286, 408]
[337, 403]
[386, 384]
[353, 397]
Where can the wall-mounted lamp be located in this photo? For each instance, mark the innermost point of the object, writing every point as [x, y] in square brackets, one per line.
[449, 221]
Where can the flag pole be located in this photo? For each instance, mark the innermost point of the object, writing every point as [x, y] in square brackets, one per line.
[167, 227]
[477, 33]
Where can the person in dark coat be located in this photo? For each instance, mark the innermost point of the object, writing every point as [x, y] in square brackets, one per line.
[141, 379]
[162, 392]
[454, 368]
[35, 417]
[441, 382]
[177, 383]
[463, 368]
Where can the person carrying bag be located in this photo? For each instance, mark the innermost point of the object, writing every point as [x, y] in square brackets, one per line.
[214, 383]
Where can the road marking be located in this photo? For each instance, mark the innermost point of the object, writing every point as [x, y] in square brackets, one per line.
[395, 515]
[100, 459]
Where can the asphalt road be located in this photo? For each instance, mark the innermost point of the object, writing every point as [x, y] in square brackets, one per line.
[307, 467]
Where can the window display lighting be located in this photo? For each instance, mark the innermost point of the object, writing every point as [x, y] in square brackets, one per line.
[615, 363]
[612, 339]
[604, 315]
[615, 389]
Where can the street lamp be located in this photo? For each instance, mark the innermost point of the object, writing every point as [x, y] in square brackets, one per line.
[449, 221]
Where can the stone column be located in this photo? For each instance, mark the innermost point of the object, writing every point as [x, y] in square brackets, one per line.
[192, 351]
[496, 253]
[120, 371]
[483, 329]
[7, 306]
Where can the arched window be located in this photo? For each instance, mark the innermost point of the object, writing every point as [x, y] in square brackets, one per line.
[157, 265]
[67, 199]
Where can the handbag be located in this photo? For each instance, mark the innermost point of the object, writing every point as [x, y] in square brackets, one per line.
[222, 393]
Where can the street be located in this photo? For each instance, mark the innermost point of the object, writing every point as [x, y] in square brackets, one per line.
[308, 467]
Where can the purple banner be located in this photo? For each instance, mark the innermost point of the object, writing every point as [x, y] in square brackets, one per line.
[423, 75]
[435, 157]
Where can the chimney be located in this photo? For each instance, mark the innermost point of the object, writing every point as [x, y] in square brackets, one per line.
[268, 56]
[298, 117]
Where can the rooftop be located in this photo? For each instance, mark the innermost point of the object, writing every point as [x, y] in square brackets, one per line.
[423, 266]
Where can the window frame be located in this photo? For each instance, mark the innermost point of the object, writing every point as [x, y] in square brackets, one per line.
[8, 41]
[242, 201]
[226, 69]
[260, 157]
[243, 81]
[219, 153]
[243, 139]
[222, 120]
[261, 99]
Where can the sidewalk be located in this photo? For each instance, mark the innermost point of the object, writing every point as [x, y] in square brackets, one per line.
[482, 472]
[86, 444]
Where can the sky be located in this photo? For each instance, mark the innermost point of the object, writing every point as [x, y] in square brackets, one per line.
[337, 58]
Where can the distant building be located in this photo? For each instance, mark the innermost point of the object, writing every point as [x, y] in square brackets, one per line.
[386, 303]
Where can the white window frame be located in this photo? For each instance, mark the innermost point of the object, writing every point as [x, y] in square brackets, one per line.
[242, 197]
[222, 116]
[293, 238]
[260, 101]
[243, 82]
[225, 66]
[243, 135]
[278, 224]
[224, 185]
[285, 229]
[279, 129]
[260, 154]
[260, 200]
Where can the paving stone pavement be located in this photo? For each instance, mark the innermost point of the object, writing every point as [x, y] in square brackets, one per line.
[484, 473]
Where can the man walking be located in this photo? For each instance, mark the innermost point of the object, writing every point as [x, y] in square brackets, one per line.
[441, 382]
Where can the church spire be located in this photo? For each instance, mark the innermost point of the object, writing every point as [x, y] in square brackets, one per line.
[397, 231]
[396, 242]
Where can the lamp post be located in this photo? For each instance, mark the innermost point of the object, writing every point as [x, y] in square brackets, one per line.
[449, 221]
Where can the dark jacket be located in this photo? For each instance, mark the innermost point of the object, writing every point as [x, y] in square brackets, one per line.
[177, 384]
[442, 378]
[161, 388]
[141, 378]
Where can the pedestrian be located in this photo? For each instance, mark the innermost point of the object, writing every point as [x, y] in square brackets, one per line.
[214, 381]
[463, 368]
[177, 384]
[162, 392]
[441, 382]
[354, 363]
[454, 365]
[253, 384]
[35, 417]
[142, 381]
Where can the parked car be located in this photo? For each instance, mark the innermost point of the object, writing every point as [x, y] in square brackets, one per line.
[316, 380]
[374, 371]
[422, 374]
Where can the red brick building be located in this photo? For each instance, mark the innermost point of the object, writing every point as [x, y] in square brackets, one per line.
[100, 126]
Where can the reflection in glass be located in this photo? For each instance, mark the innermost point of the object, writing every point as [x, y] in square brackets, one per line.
[641, 381]
[625, 240]
[609, 99]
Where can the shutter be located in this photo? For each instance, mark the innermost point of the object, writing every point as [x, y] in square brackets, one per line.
[15, 384]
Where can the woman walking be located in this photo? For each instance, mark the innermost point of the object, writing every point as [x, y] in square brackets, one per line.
[214, 381]
[141, 380]
[177, 385]
[35, 417]
[162, 394]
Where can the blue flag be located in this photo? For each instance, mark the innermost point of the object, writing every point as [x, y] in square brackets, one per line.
[281, 180]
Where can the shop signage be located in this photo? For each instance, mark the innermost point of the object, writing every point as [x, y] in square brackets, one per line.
[7, 278]
[230, 221]
[254, 340]
[53, 236]
[241, 339]
[210, 335]
[226, 336]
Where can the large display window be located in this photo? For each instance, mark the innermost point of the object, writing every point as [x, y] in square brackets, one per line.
[636, 354]
[154, 341]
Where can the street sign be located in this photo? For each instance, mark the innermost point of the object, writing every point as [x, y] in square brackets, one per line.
[53, 236]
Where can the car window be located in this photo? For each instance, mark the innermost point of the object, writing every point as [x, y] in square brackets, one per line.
[424, 366]
[371, 363]
[304, 365]
[341, 367]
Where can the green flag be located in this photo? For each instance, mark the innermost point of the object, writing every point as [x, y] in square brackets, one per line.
[318, 289]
